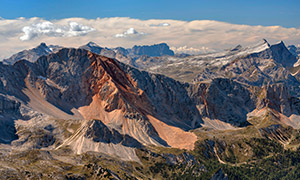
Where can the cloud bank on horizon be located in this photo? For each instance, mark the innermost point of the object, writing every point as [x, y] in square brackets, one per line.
[198, 36]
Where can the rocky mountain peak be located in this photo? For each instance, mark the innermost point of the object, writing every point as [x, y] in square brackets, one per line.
[259, 47]
[42, 45]
[91, 44]
[121, 50]
[282, 55]
[279, 45]
[95, 48]
[153, 50]
[32, 54]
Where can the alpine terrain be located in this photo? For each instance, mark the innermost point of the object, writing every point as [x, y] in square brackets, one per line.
[147, 113]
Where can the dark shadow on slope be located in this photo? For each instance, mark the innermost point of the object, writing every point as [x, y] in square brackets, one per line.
[9, 112]
[7, 130]
[99, 132]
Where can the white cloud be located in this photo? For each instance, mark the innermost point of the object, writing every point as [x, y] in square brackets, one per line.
[74, 32]
[50, 29]
[160, 25]
[128, 32]
[77, 29]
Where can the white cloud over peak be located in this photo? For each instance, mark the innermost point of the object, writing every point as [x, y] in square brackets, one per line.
[130, 31]
[52, 30]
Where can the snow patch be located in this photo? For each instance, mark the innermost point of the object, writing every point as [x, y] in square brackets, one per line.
[191, 50]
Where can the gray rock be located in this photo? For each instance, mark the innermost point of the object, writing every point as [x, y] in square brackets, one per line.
[223, 99]
[294, 50]
[153, 50]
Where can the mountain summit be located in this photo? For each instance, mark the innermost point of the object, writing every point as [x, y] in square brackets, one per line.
[32, 54]
[153, 50]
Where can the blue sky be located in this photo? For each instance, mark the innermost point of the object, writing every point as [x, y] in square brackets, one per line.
[251, 12]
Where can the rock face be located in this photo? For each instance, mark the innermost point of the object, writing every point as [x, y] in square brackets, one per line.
[282, 55]
[93, 47]
[294, 50]
[154, 50]
[98, 132]
[277, 97]
[8, 105]
[32, 54]
[9, 111]
[225, 100]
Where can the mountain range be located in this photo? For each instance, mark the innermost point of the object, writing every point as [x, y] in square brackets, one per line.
[130, 104]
